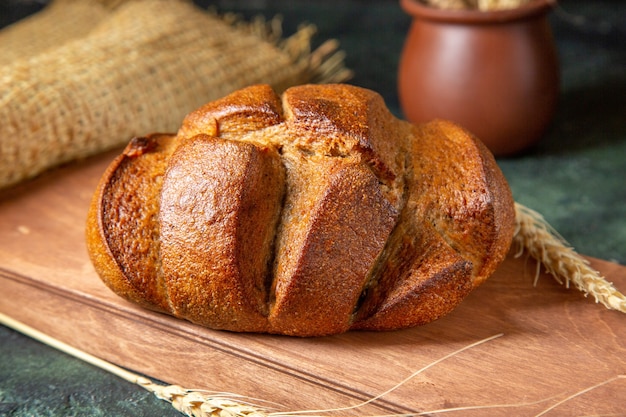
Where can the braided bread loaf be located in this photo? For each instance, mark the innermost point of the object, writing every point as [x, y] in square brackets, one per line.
[308, 214]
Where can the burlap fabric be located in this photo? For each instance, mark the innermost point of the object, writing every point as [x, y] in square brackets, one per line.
[139, 68]
[61, 21]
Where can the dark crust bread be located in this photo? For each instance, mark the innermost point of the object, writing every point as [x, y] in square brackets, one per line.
[459, 188]
[122, 227]
[322, 268]
[420, 279]
[308, 214]
[221, 199]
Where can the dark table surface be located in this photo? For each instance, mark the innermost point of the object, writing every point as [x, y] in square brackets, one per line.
[576, 175]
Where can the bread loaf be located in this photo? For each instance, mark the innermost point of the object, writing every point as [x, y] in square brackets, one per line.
[308, 214]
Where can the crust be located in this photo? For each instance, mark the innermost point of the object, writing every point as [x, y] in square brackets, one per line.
[308, 216]
[122, 232]
[459, 188]
[218, 212]
[324, 257]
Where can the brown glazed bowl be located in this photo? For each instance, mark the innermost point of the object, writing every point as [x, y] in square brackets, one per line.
[496, 73]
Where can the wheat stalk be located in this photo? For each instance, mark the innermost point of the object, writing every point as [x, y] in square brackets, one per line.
[200, 403]
[196, 403]
[541, 241]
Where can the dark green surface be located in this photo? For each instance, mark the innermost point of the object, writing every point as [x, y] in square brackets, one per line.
[38, 381]
[575, 176]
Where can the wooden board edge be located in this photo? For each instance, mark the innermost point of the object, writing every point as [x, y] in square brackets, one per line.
[225, 359]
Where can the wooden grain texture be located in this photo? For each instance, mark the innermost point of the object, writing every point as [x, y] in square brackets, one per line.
[555, 342]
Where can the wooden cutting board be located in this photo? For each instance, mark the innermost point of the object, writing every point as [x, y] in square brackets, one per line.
[554, 344]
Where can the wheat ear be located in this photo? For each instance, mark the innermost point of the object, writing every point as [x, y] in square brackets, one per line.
[537, 238]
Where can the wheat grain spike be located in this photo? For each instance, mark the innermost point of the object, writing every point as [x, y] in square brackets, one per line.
[198, 403]
[536, 237]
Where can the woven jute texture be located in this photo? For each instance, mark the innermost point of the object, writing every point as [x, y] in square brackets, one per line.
[141, 68]
[61, 21]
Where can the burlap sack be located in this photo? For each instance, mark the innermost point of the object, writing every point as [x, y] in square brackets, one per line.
[61, 21]
[145, 65]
